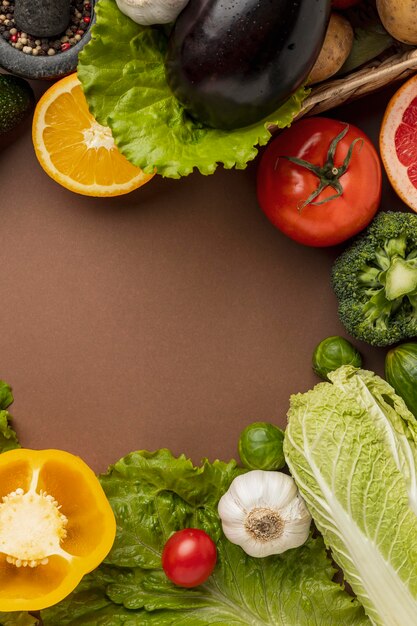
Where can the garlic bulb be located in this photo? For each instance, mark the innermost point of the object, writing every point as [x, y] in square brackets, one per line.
[264, 514]
[147, 12]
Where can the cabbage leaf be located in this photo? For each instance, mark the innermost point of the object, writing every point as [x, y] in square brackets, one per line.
[123, 77]
[351, 447]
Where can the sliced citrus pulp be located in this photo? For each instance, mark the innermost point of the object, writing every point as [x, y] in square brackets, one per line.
[77, 151]
[398, 142]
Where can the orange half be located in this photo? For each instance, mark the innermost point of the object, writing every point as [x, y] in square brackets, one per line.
[77, 151]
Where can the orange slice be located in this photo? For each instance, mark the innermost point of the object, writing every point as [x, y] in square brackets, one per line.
[398, 142]
[75, 150]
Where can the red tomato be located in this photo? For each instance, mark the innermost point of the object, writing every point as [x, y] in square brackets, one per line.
[189, 557]
[284, 187]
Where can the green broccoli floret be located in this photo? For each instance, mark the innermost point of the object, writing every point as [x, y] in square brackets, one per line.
[375, 281]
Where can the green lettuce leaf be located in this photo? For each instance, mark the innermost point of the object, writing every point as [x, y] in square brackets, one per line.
[123, 78]
[155, 494]
[18, 619]
[6, 396]
[370, 37]
[9, 441]
[350, 447]
[288, 590]
[8, 437]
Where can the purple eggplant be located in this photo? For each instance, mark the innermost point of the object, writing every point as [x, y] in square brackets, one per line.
[233, 62]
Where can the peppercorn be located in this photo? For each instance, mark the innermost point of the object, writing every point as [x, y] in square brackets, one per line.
[81, 15]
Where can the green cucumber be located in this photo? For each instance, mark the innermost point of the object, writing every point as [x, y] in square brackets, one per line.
[401, 373]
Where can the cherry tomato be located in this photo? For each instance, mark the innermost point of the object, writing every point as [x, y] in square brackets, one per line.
[189, 557]
[289, 193]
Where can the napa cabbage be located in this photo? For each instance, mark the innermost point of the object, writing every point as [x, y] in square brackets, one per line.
[351, 446]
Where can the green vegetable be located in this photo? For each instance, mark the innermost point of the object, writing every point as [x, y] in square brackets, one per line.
[352, 449]
[370, 37]
[375, 281]
[332, 353]
[155, 494]
[123, 76]
[18, 619]
[8, 437]
[9, 441]
[367, 45]
[401, 373]
[16, 101]
[261, 446]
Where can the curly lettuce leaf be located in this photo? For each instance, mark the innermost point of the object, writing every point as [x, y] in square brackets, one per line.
[123, 77]
[351, 448]
[289, 590]
[18, 619]
[9, 441]
[6, 396]
[155, 494]
[8, 437]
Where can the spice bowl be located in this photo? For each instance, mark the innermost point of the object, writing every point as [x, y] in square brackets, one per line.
[33, 48]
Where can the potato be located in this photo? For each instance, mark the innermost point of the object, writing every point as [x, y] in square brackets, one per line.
[335, 50]
[399, 18]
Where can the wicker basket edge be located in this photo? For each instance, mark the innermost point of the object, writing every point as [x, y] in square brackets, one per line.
[374, 76]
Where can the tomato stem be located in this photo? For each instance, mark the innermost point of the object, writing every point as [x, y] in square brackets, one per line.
[328, 174]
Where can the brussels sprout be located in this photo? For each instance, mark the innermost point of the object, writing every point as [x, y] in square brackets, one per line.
[332, 353]
[261, 447]
[401, 373]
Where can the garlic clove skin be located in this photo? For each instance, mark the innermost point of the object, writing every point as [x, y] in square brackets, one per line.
[261, 488]
[264, 514]
[149, 12]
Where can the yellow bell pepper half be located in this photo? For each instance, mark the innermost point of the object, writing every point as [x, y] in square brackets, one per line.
[56, 525]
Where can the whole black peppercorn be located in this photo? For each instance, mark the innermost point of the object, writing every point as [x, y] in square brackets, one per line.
[76, 26]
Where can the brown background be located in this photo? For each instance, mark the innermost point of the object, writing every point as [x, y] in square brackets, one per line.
[170, 317]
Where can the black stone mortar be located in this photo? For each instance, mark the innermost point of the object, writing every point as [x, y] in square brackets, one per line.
[48, 18]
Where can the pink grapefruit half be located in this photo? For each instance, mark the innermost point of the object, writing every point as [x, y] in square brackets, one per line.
[398, 142]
